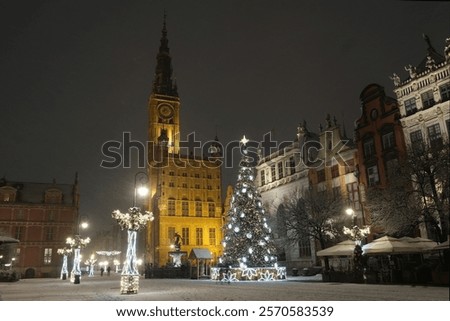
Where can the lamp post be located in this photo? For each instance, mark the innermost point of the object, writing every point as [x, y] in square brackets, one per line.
[142, 189]
[351, 212]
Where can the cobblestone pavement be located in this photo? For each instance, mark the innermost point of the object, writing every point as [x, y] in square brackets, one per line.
[294, 289]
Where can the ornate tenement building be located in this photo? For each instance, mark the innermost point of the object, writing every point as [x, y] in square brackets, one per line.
[424, 98]
[424, 101]
[379, 140]
[41, 216]
[185, 193]
[305, 165]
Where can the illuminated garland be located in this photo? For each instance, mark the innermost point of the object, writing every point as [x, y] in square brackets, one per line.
[132, 222]
[77, 243]
[65, 252]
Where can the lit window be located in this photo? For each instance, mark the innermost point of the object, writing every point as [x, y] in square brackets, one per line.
[47, 256]
[263, 177]
[273, 172]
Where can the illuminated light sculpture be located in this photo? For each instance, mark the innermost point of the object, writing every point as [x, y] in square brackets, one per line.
[132, 222]
[249, 252]
[77, 243]
[91, 263]
[65, 252]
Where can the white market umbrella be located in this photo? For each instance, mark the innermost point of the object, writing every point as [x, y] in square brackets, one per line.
[390, 245]
[344, 248]
[425, 244]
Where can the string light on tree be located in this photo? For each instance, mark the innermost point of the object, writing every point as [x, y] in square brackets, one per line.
[249, 252]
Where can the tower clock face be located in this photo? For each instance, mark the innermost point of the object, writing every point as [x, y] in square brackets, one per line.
[165, 111]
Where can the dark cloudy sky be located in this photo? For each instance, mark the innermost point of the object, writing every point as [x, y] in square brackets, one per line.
[75, 74]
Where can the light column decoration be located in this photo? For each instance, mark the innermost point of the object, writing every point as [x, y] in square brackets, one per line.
[132, 221]
[77, 243]
[91, 263]
[65, 252]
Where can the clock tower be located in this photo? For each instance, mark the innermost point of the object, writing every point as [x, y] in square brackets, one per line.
[185, 189]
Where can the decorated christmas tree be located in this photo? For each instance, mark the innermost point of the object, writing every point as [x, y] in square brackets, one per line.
[248, 247]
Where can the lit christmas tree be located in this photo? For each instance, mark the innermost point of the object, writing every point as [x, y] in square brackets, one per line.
[248, 249]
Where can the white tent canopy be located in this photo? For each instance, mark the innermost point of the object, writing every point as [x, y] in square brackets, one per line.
[344, 248]
[391, 245]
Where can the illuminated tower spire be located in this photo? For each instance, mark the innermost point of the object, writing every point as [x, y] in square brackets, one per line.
[163, 83]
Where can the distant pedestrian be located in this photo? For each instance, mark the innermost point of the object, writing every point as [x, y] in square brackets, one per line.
[108, 270]
[101, 271]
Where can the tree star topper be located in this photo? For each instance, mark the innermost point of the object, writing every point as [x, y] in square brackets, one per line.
[244, 140]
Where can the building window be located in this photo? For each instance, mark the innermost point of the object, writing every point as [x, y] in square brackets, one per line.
[199, 236]
[185, 208]
[211, 209]
[427, 99]
[171, 184]
[171, 207]
[372, 175]
[434, 134]
[197, 186]
[47, 256]
[198, 208]
[369, 147]
[410, 106]
[416, 138]
[388, 140]
[291, 165]
[184, 185]
[185, 236]
[273, 172]
[304, 248]
[353, 195]
[280, 170]
[49, 234]
[171, 173]
[170, 234]
[349, 166]
[212, 236]
[184, 174]
[445, 92]
[19, 233]
[321, 175]
[263, 177]
[335, 171]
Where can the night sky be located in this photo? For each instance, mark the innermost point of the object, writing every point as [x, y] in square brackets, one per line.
[75, 74]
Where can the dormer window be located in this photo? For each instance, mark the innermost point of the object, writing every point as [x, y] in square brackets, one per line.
[7, 194]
